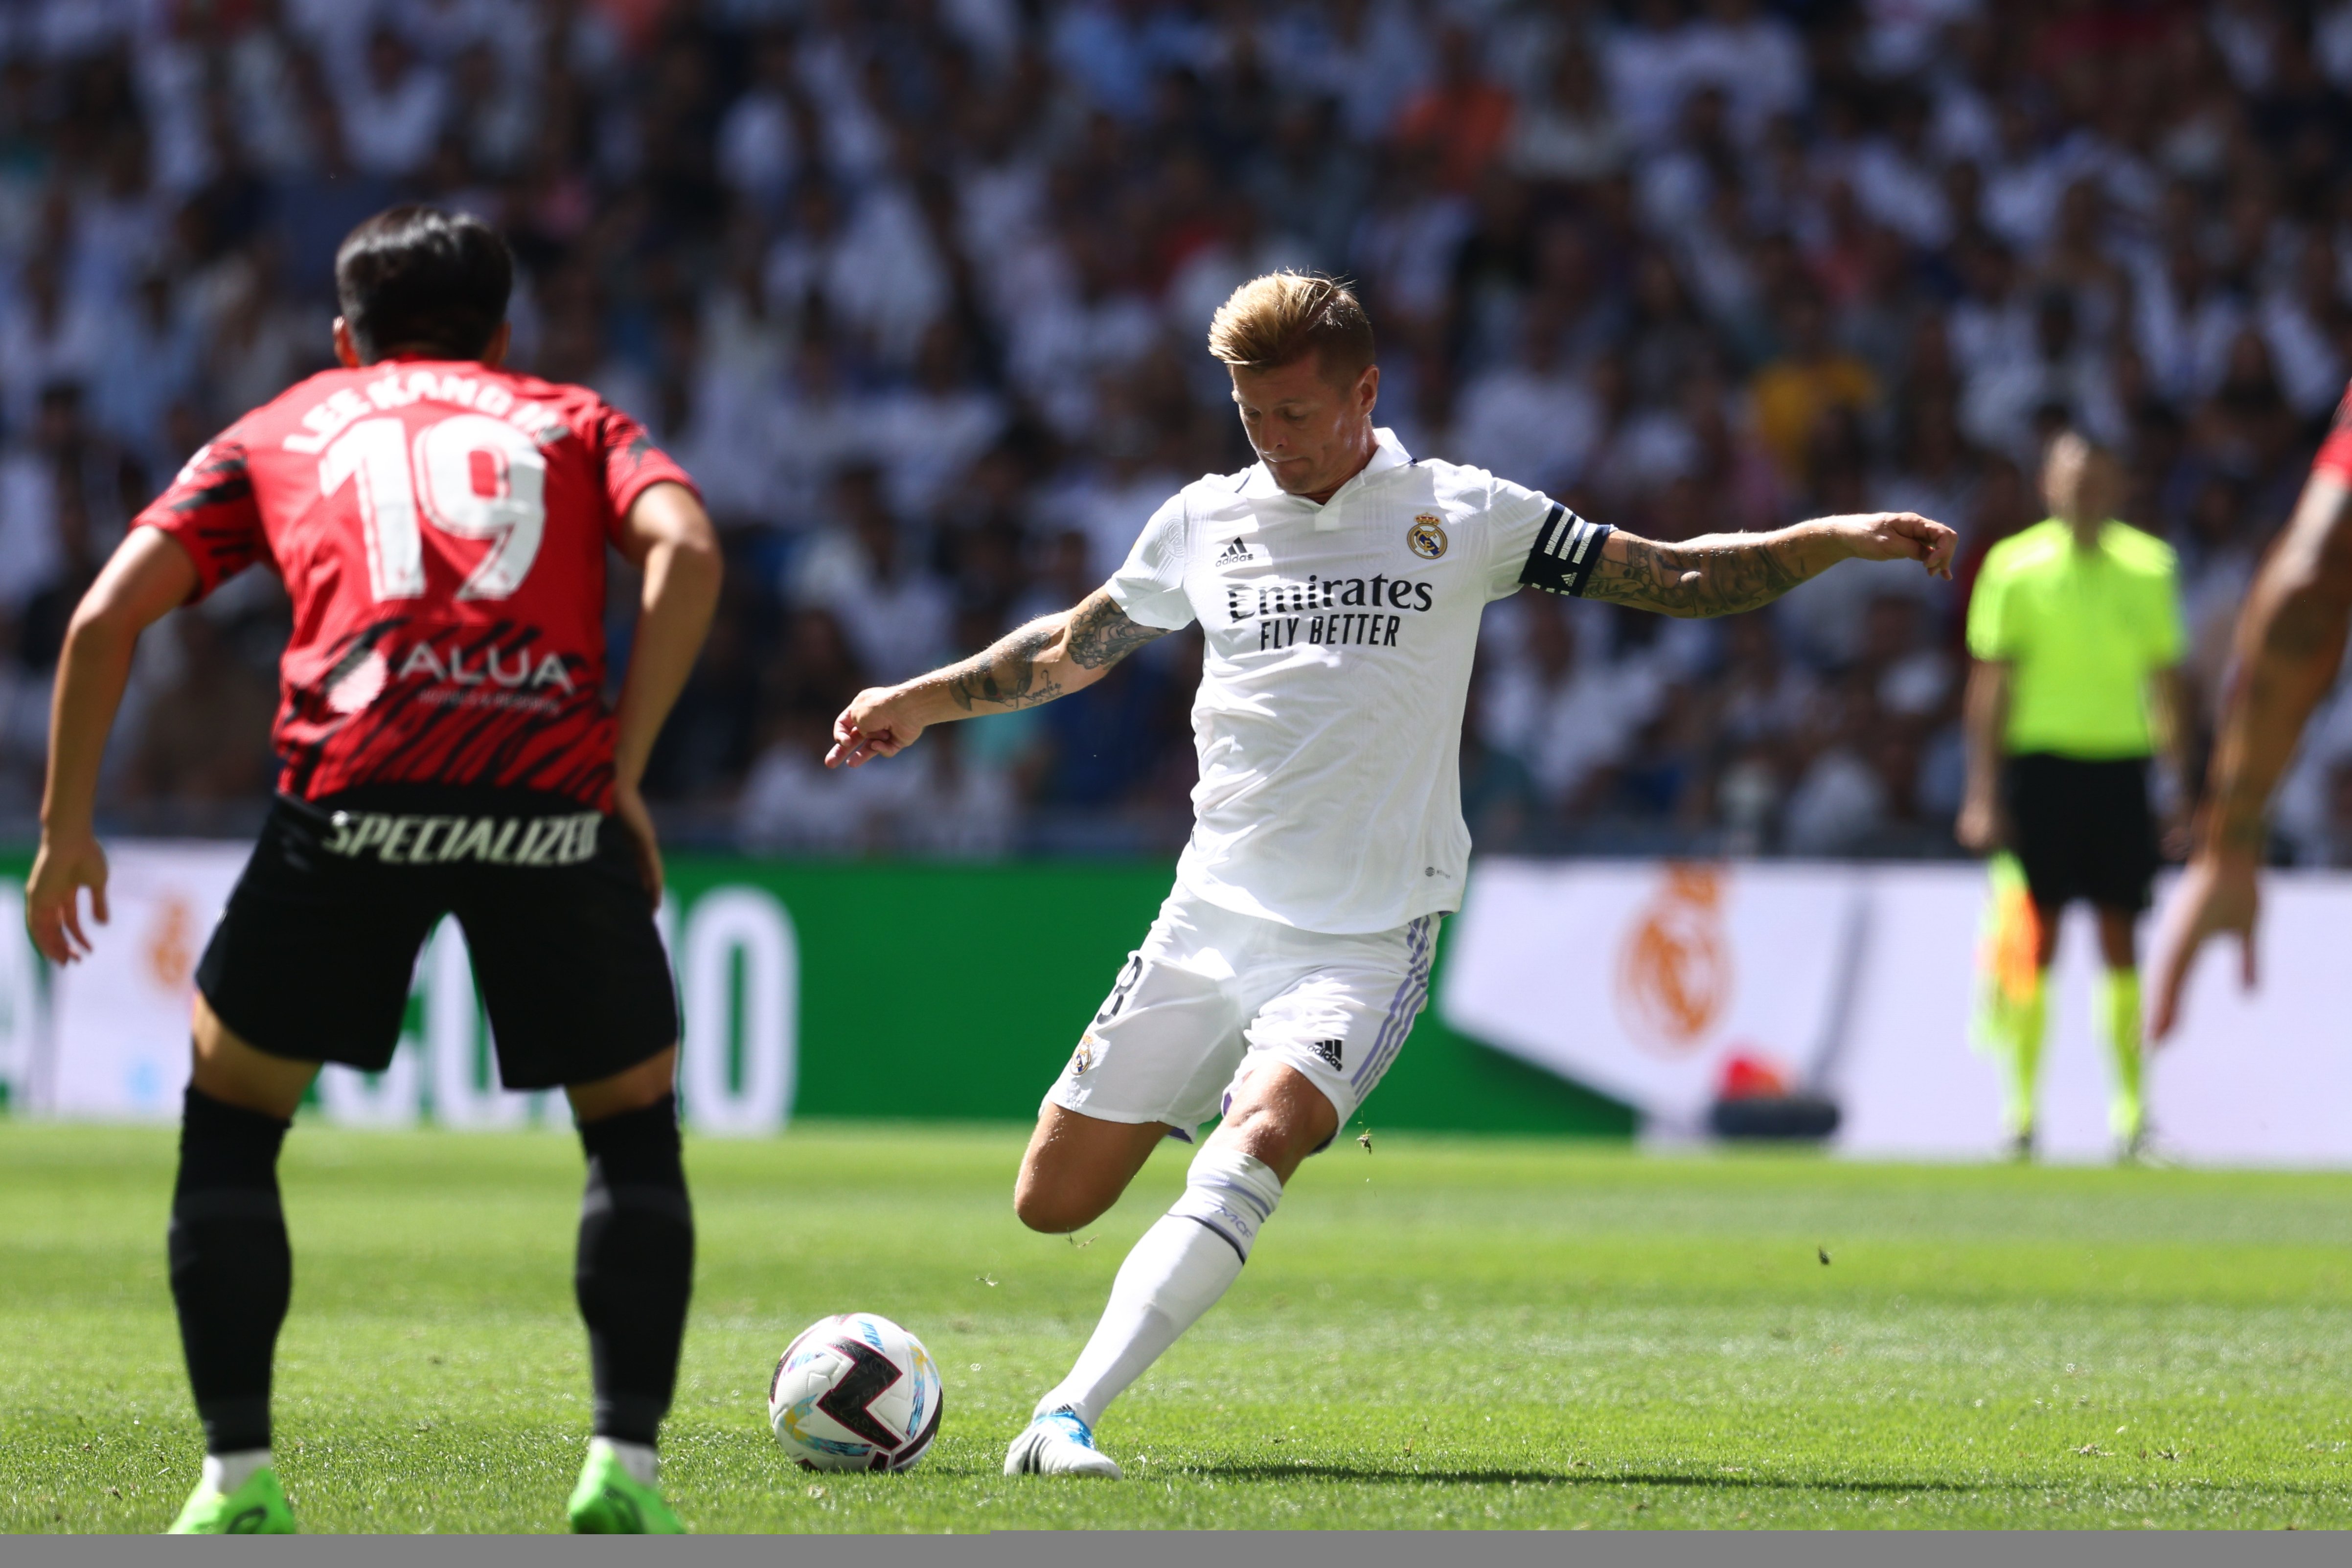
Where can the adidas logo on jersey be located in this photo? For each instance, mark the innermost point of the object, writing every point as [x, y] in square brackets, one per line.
[1332, 1052]
[1235, 553]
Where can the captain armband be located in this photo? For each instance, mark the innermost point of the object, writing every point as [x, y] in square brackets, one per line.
[1567, 553]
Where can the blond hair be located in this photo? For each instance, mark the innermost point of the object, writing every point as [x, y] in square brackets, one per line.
[1282, 317]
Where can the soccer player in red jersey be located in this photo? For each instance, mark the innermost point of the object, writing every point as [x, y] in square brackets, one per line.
[441, 526]
[2290, 647]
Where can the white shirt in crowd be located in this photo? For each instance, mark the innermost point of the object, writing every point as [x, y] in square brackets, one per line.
[1339, 639]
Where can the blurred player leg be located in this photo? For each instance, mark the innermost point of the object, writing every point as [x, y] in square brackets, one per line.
[232, 1271]
[635, 1272]
[2027, 1022]
[2029, 1027]
[2011, 1015]
[2119, 1017]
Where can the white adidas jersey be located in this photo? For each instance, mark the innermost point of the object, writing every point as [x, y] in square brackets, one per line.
[1328, 721]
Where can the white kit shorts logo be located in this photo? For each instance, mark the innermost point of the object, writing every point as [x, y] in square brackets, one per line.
[1426, 537]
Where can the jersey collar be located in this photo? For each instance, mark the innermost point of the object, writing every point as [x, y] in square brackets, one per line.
[1388, 453]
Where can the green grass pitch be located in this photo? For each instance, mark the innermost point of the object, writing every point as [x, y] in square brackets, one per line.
[1438, 1333]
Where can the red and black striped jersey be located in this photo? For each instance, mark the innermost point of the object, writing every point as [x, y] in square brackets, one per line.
[2334, 454]
[441, 528]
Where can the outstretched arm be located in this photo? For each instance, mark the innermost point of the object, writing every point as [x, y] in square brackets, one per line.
[2290, 644]
[1050, 658]
[1724, 574]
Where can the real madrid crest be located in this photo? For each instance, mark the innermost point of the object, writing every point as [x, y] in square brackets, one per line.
[1426, 537]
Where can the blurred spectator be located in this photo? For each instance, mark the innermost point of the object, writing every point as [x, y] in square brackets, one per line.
[392, 107]
[1810, 380]
[202, 757]
[863, 572]
[1563, 711]
[1531, 421]
[1566, 133]
[958, 807]
[792, 804]
[919, 293]
[1460, 117]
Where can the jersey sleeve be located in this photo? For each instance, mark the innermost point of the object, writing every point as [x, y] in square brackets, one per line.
[1539, 543]
[210, 511]
[632, 463]
[2167, 640]
[1991, 637]
[2336, 452]
[1149, 584]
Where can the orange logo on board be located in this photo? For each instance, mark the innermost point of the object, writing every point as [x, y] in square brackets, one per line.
[171, 943]
[1674, 972]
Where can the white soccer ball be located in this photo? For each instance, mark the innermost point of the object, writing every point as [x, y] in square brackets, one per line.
[854, 1392]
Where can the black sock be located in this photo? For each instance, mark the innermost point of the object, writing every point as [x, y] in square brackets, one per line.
[636, 1266]
[232, 1272]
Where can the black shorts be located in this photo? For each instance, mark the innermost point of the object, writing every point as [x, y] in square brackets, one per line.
[2083, 830]
[314, 958]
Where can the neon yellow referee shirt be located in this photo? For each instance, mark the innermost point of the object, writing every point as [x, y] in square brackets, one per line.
[2081, 630]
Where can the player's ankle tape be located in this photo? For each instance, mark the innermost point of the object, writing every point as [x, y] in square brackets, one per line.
[1230, 1194]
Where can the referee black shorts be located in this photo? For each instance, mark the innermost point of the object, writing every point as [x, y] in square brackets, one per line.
[2083, 830]
[314, 958]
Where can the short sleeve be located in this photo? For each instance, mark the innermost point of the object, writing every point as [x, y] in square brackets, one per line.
[1991, 636]
[209, 511]
[2336, 452]
[1537, 542]
[2166, 640]
[1149, 584]
[632, 463]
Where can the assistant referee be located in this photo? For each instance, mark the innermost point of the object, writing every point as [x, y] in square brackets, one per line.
[2075, 630]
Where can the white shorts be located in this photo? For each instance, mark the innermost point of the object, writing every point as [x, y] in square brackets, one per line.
[1211, 994]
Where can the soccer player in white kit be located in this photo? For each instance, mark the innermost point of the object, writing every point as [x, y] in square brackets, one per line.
[1338, 583]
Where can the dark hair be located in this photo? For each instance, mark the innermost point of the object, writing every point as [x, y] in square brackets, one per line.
[418, 277]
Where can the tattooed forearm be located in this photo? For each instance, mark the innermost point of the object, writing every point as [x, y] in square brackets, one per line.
[1723, 575]
[1044, 660]
[1005, 675]
[1101, 634]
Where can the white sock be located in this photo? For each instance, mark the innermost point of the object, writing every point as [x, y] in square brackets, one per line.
[227, 1472]
[638, 1459]
[1174, 1274]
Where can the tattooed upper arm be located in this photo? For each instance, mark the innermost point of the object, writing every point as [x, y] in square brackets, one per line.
[1101, 633]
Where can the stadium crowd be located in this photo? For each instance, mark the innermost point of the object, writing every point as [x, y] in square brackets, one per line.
[917, 290]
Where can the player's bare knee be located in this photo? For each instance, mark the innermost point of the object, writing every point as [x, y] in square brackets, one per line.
[1055, 1210]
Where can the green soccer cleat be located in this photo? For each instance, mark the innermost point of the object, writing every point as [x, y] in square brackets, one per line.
[611, 1501]
[257, 1508]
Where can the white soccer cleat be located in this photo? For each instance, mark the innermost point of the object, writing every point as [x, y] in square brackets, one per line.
[1059, 1445]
